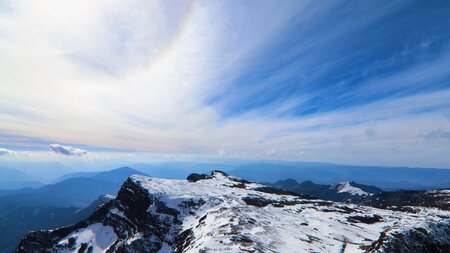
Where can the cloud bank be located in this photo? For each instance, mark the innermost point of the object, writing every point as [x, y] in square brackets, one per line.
[68, 150]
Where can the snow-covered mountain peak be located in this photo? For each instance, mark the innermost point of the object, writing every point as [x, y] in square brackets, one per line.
[221, 213]
[346, 187]
[218, 184]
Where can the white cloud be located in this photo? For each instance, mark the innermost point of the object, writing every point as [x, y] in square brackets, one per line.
[68, 150]
[8, 152]
[4, 151]
[222, 152]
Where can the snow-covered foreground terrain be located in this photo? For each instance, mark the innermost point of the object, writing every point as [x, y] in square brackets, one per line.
[220, 213]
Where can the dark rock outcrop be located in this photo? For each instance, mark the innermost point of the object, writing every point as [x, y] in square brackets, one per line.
[433, 198]
[194, 177]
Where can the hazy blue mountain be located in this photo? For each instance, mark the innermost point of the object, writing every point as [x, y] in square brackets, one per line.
[73, 192]
[117, 175]
[76, 192]
[11, 179]
[12, 185]
[7, 174]
[15, 191]
[387, 178]
[369, 195]
[176, 170]
[75, 174]
[43, 171]
[16, 220]
[196, 166]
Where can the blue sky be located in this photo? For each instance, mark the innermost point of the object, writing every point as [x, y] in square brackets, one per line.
[356, 82]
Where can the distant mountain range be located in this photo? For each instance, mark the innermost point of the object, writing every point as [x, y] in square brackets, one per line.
[344, 191]
[77, 191]
[386, 178]
[115, 176]
[11, 179]
[368, 195]
[178, 170]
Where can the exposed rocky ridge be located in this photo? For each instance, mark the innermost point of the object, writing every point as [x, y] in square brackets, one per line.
[431, 198]
[221, 213]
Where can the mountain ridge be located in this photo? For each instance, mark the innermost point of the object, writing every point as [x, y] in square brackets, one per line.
[368, 195]
[386, 178]
[223, 213]
[72, 191]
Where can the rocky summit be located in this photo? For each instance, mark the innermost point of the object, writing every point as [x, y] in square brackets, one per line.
[221, 213]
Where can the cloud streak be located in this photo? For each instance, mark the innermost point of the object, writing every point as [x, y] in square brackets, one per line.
[67, 150]
[4, 152]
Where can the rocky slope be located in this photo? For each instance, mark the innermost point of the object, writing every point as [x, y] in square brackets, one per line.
[220, 213]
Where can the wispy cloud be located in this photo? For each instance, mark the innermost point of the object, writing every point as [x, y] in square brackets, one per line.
[291, 80]
[4, 151]
[9, 152]
[68, 150]
[439, 134]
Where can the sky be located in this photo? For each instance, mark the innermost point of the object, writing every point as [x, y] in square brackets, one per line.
[353, 82]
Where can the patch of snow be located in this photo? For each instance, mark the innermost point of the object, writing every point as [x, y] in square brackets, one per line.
[98, 236]
[108, 196]
[118, 213]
